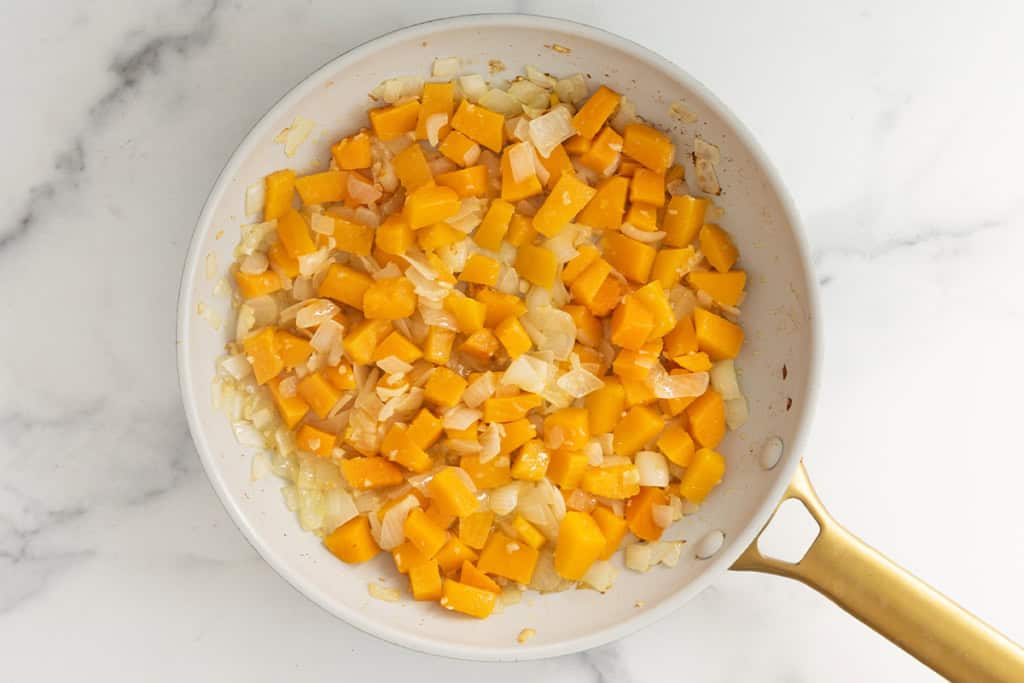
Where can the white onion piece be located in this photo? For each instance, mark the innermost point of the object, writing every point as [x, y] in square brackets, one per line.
[254, 195]
[296, 134]
[678, 386]
[236, 366]
[501, 102]
[638, 557]
[724, 381]
[707, 178]
[543, 174]
[624, 115]
[394, 89]
[630, 230]
[490, 442]
[473, 86]
[460, 417]
[528, 373]
[572, 89]
[662, 515]
[322, 224]
[315, 312]
[578, 383]
[441, 165]
[254, 264]
[326, 334]
[702, 149]
[736, 412]
[392, 531]
[594, 453]
[366, 216]
[478, 391]
[561, 245]
[529, 94]
[361, 191]
[264, 310]
[339, 508]
[256, 237]
[520, 159]
[665, 552]
[550, 130]
[309, 264]
[434, 124]
[538, 77]
[445, 67]
[600, 576]
[551, 330]
[393, 365]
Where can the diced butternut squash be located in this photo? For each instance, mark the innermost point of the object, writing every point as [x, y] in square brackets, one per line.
[725, 288]
[481, 345]
[391, 122]
[437, 347]
[650, 147]
[557, 164]
[391, 298]
[587, 255]
[640, 513]
[511, 190]
[567, 198]
[487, 475]
[528, 533]
[260, 284]
[353, 152]
[460, 597]
[607, 298]
[586, 287]
[520, 230]
[703, 474]
[425, 581]
[279, 190]
[492, 229]
[399, 447]
[677, 444]
[605, 406]
[706, 416]
[589, 330]
[595, 111]
[480, 124]
[653, 297]
[364, 338]
[293, 232]
[640, 425]
[341, 377]
[616, 482]
[321, 188]
[612, 527]
[437, 236]
[670, 265]
[407, 556]
[605, 152]
[567, 428]
[682, 339]
[444, 387]
[353, 237]
[499, 306]
[467, 182]
[718, 248]
[318, 393]
[694, 362]
[537, 265]
[510, 408]
[412, 169]
[647, 187]
[717, 336]
[503, 556]
[628, 256]
[638, 392]
[577, 145]
[430, 204]
[370, 472]
[352, 541]
[517, 433]
[513, 336]
[291, 408]
[475, 528]
[451, 494]
[425, 429]
[480, 270]
[313, 440]
[281, 261]
[632, 324]
[643, 216]
[604, 211]
[531, 462]
[345, 285]
[459, 149]
[423, 533]
[445, 521]
[580, 544]
[437, 98]
[294, 351]
[261, 350]
[471, 576]
[469, 314]
[453, 554]
[566, 468]
[684, 217]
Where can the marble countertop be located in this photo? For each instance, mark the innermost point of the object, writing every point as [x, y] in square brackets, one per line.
[897, 128]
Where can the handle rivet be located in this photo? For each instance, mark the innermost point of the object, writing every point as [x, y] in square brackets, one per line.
[771, 453]
[710, 544]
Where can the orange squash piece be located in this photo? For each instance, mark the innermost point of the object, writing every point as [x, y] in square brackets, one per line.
[605, 152]
[647, 187]
[718, 248]
[352, 542]
[632, 324]
[345, 285]
[293, 232]
[460, 597]
[612, 527]
[684, 217]
[595, 111]
[291, 408]
[459, 149]
[471, 576]
[537, 265]
[392, 298]
[353, 152]
[425, 581]
[717, 336]
[370, 472]
[503, 556]
[605, 406]
[630, 257]
[279, 187]
[250, 286]
[492, 229]
[480, 125]
[391, 122]
[512, 191]
[707, 419]
[650, 147]
[412, 169]
[640, 425]
[640, 513]
[580, 544]
[703, 474]
[606, 208]
[437, 98]
[262, 351]
[467, 182]
[567, 198]
[430, 204]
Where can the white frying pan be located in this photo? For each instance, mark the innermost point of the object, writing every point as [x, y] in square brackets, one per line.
[779, 373]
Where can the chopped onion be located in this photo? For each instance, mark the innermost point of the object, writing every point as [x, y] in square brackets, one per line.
[543, 174]
[393, 365]
[326, 334]
[679, 111]
[572, 89]
[538, 77]
[339, 508]
[594, 453]
[236, 366]
[434, 124]
[653, 468]
[473, 86]
[315, 312]
[528, 373]
[394, 89]
[254, 198]
[638, 557]
[490, 442]
[460, 417]
[666, 552]
[724, 381]
[501, 102]
[260, 466]
[310, 264]
[624, 115]
[445, 67]
[550, 130]
[478, 391]
[472, 155]
[256, 237]
[361, 191]
[707, 178]
[702, 149]
[322, 224]
[441, 165]
[682, 300]
[600, 576]
[529, 94]
[302, 289]
[662, 515]
[296, 134]
[367, 216]
[520, 159]
[392, 531]
[630, 230]
[384, 593]
[578, 383]
[736, 412]
[683, 385]
[551, 330]
[561, 245]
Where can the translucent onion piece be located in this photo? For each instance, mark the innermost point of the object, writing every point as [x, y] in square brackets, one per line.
[678, 110]
[394, 89]
[309, 264]
[478, 391]
[653, 468]
[600, 576]
[254, 264]
[520, 158]
[504, 499]
[254, 198]
[624, 115]
[326, 334]
[572, 89]
[638, 557]
[361, 191]
[724, 381]
[707, 178]
[702, 149]
[679, 386]
[296, 134]
[473, 86]
[578, 383]
[528, 373]
[315, 312]
[393, 365]
[338, 509]
[529, 94]
[460, 417]
[392, 533]
[662, 515]
[550, 130]
[445, 67]
[649, 236]
[538, 77]
[490, 442]
[736, 412]
[501, 102]
[434, 124]
[562, 246]
[321, 224]
[236, 366]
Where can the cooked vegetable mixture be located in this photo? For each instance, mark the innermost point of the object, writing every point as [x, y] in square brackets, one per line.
[494, 339]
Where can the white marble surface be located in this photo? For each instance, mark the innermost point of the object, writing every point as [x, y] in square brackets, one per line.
[898, 129]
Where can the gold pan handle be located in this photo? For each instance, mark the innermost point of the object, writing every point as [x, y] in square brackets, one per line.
[890, 600]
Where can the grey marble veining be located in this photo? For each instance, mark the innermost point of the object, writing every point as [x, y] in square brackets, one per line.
[896, 128]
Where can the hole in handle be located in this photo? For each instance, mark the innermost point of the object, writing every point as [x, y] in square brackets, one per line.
[790, 533]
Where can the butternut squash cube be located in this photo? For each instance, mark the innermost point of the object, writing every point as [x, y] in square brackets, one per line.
[480, 124]
[510, 408]
[291, 408]
[557, 164]
[438, 235]
[595, 111]
[394, 236]
[281, 261]
[345, 285]
[469, 314]
[703, 474]
[503, 556]
[648, 187]
[353, 152]
[628, 256]
[567, 428]
[587, 285]
[512, 191]
[390, 298]
[605, 406]
[313, 440]
[536, 265]
[650, 147]
[453, 554]
[391, 122]
[513, 336]
[605, 152]
[423, 533]
[460, 597]
[430, 204]
[717, 336]
[293, 232]
[294, 351]
[352, 542]
[450, 493]
[481, 345]
[684, 217]
[425, 429]
[694, 362]
[632, 324]
[616, 482]
[527, 532]
[260, 284]
[640, 425]
[318, 393]
[587, 255]
[580, 544]
[725, 288]
[640, 513]
[353, 237]
[437, 347]
[612, 527]
[364, 338]
[669, 266]
[475, 528]
[459, 149]
[262, 353]
[718, 248]
[471, 576]
[487, 475]
[370, 472]
[279, 188]
[322, 188]
[437, 98]
[566, 468]
[444, 387]
[407, 556]
[467, 182]
[425, 581]
[654, 299]
[492, 229]
[567, 198]
[520, 230]
[604, 211]
[480, 270]
[399, 447]
[531, 463]
[499, 306]
[642, 216]
[677, 444]
[517, 433]
[706, 416]
[412, 169]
